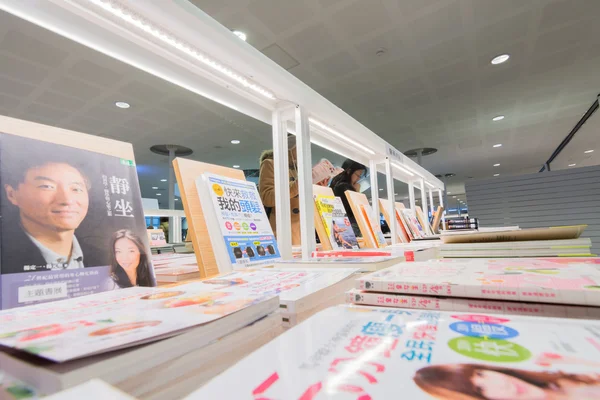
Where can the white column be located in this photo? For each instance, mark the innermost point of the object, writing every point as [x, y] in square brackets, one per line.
[441, 197]
[374, 186]
[411, 194]
[423, 197]
[389, 174]
[431, 206]
[282, 191]
[171, 193]
[305, 188]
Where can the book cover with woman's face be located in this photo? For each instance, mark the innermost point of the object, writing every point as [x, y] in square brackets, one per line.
[70, 218]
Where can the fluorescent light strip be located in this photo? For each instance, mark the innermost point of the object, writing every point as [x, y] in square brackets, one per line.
[429, 184]
[406, 171]
[326, 147]
[341, 136]
[140, 23]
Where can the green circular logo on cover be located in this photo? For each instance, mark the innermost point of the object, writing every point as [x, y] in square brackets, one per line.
[245, 226]
[493, 350]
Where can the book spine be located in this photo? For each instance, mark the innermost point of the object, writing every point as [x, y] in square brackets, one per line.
[409, 288]
[471, 305]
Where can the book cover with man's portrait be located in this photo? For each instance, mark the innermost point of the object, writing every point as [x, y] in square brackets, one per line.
[72, 223]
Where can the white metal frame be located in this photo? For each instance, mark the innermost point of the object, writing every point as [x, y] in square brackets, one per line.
[181, 44]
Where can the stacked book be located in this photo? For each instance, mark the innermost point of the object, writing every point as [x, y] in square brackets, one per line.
[141, 340]
[537, 287]
[462, 223]
[363, 263]
[536, 242]
[532, 248]
[175, 267]
[372, 353]
[302, 292]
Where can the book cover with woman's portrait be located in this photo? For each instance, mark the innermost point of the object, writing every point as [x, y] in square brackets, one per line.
[72, 222]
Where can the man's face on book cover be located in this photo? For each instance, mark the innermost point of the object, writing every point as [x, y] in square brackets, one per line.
[52, 196]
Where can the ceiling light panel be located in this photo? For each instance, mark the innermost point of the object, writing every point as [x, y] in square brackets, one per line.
[133, 19]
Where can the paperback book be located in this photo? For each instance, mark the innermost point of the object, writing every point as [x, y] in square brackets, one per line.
[336, 223]
[371, 353]
[235, 214]
[364, 263]
[528, 280]
[362, 297]
[293, 286]
[71, 212]
[374, 227]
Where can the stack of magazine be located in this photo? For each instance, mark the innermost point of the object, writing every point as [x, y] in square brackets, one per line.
[541, 287]
[126, 336]
[381, 353]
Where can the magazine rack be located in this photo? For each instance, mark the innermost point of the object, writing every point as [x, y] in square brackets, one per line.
[178, 42]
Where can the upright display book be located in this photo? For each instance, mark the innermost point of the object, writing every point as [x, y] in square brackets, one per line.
[381, 353]
[81, 327]
[374, 227]
[71, 215]
[341, 233]
[527, 280]
[235, 214]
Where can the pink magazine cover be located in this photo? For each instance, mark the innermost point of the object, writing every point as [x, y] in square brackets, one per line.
[378, 353]
[528, 280]
[470, 305]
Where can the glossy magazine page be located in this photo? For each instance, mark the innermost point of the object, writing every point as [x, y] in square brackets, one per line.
[350, 353]
[79, 327]
[530, 280]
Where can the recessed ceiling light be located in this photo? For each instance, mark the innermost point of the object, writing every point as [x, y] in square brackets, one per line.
[498, 145]
[395, 194]
[176, 199]
[381, 190]
[122, 104]
[449, 193]
[163, 180]
[498, 118]
[453, 197]
[500, 59]
[588, 151]
[572, 165]
[236, 166]
[241, 35]
[154, 187]
[235, 141]
[158, 194]
[496, 174]
[496, 165]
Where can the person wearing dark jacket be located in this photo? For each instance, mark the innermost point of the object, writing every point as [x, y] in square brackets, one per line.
[348, 180]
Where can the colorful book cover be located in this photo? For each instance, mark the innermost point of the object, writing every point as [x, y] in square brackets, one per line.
[245, 229]
[72, 223]
[470, 305]
[528, 280]
[413, 224]
[373, 225]
[289, 284]
[324, 206]
[79, 327]
[342, 235]
[382, 353]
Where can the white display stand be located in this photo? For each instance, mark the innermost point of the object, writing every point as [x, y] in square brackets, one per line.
[178, 42]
